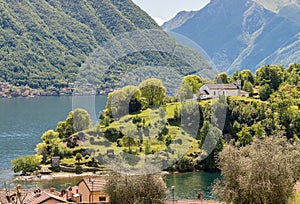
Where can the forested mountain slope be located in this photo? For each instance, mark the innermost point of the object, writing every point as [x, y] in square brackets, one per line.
[43, 43]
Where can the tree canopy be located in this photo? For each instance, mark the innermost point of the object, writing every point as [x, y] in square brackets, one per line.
[263, 172]
[153, 91]
[29, 163]
[148, 189]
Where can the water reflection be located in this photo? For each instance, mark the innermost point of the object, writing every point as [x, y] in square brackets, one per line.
[189, 185]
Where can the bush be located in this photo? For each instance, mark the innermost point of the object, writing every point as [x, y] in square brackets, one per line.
[78, 169]
[135, 189]
[263, 172]
[112, 134]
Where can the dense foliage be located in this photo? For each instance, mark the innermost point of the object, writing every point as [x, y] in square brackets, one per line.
[148, 189]
[27, 164]
[142, 120]
[263, 172]
[44, 43]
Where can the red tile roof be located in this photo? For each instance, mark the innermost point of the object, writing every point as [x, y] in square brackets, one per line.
[39, 198]
[95, 184]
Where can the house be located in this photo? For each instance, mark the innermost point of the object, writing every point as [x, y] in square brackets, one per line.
[209, 91]
[30, 196]
[92, 190]
[42, 197]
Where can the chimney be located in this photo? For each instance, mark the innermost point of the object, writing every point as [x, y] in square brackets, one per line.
[52, 189]
[19, 187]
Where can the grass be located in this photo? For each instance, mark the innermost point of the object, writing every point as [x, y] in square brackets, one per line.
[152, 121]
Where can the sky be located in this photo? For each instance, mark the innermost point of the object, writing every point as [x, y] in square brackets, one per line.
[163, 10]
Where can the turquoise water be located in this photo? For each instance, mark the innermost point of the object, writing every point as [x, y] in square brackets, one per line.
[189, 185]
[23, 120]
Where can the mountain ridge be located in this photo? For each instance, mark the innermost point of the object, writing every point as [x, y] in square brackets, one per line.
[242, 34]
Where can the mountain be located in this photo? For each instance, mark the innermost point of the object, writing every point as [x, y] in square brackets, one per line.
[46, 43]
[286, 8]
[243, 34]
[179, 19]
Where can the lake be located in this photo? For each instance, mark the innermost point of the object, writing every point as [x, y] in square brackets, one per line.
[23, 121]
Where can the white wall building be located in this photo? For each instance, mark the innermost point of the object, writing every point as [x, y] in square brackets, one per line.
[208, 91]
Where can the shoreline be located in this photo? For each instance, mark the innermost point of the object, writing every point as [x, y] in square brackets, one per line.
[56, 176]
[63, 175]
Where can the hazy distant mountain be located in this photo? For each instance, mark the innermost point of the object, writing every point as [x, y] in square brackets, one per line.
[243, 34]
[43, 43]
[179, 19]
[286, 8]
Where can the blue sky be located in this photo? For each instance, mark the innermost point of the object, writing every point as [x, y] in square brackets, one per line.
[162, 10]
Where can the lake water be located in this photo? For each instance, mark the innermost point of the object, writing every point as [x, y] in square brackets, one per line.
[23, 121]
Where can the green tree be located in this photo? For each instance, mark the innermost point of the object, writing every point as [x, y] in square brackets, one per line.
[222, 78]
[265, 92]
[51, 144]
[264, 172]
[147, 189]
[78, 157]
[248, 87]
[29, 163]
[65, 128]
[204, 131]
[244, 137]
[191, 117]
[51, 138]
[211, 145]
[293, 74]
[193, 81]
[185, 92]
[124, 101]
[246, 75]
[153, 91]
[129, 142]
[271, 75]
[81, 120]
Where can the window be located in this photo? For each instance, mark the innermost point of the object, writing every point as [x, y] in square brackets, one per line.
[214, 93]
[102, 198]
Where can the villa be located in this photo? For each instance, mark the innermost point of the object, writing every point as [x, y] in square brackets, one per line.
[91, 190]
[209, 91]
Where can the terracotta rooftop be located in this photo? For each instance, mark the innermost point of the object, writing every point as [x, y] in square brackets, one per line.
[95, 184]
[31, 196]
[12, 193]
[37, 198]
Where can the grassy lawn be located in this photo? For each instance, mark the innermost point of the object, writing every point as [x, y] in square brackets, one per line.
[151, 123]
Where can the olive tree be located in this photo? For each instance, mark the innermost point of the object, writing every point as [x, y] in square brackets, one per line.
[264, 172]
[146, 189]
[26, 164]
[81, 120]
[193, 81]
[153, 91]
